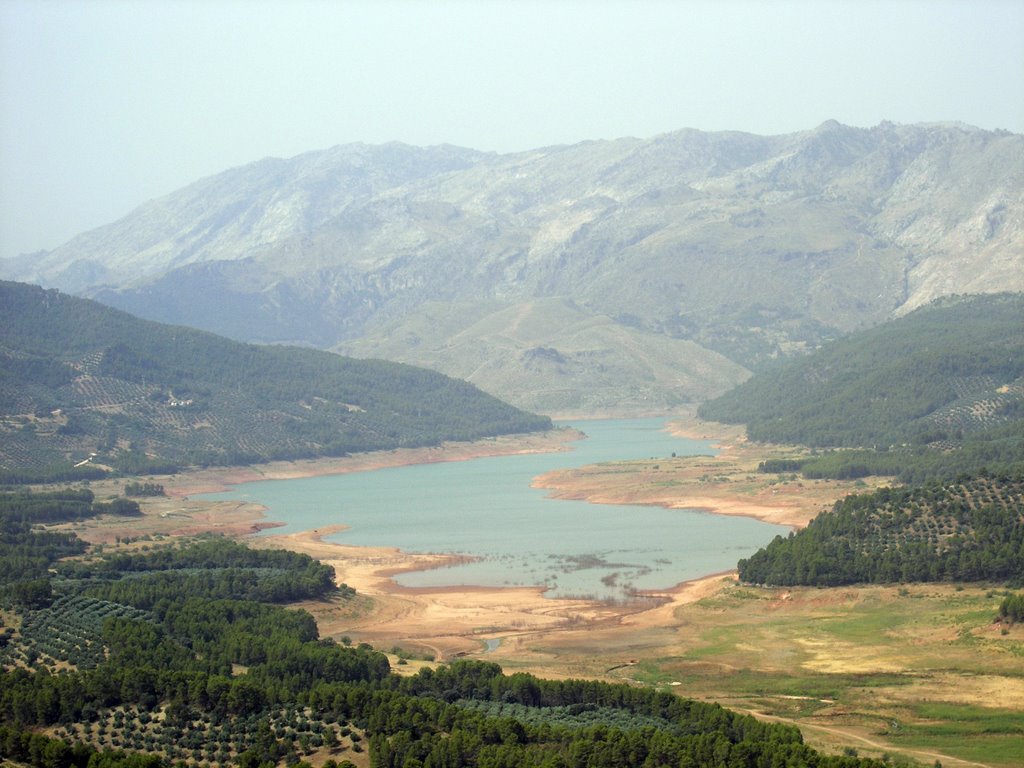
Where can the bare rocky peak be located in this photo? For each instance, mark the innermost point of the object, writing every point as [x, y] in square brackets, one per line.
[748, 245]
[226, 216]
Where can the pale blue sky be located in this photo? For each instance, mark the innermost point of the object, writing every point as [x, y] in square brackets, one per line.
[105, 104]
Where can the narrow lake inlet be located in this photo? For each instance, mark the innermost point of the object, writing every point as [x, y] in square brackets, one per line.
[506, 533]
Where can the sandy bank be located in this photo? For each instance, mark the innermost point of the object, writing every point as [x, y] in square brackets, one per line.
[725, 484]
[444, 622]
[453, 621]
[672, 487]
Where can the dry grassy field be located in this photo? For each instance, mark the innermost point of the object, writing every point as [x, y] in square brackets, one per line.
[919, 671]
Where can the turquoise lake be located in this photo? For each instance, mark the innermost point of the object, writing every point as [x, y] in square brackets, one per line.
[516, 535]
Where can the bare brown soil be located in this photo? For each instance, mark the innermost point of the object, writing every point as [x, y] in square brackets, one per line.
[447, 622]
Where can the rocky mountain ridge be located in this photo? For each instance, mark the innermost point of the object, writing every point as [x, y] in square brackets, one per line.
[750, 246]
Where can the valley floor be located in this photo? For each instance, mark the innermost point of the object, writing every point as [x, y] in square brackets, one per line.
[917, 670]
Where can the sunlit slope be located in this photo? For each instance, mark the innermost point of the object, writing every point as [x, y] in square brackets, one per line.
[943, 372]
[970, 529]
[550, 356]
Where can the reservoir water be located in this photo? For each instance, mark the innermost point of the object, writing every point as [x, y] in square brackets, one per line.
[515, 535]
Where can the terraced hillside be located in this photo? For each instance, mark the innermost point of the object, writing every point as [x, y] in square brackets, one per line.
[970, 529]
[933, 394]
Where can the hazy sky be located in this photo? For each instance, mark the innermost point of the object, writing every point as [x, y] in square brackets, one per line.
[104, 104]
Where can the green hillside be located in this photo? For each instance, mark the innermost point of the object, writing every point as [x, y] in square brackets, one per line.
[79, 380]
[934, 393]
[970, 529]
[935, 399]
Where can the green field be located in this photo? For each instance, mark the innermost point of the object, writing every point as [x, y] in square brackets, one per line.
[919, 671]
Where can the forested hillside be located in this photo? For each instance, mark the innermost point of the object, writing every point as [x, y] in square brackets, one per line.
[969, 529]
[935, 393]
[934, 399]
[140, 659]
[79, 381]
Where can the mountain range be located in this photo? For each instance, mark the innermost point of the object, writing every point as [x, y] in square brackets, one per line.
[632, 273]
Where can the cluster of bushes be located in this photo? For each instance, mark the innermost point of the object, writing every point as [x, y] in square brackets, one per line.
[27, 553]
[1011, 610]
[69, 630]
[58, 472]
[136, 488]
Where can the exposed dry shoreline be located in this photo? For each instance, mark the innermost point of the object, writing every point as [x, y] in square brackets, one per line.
[445, 622]
[217, 479]
[700, 636]
[459, 620]
[725, 484]
[455, 621]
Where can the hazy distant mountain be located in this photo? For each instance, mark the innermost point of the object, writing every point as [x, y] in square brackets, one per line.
[746, 245]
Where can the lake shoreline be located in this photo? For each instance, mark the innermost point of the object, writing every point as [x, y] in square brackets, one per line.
[221, 479]
[708, 638]
[725, 437]
[728, 483]
[454, 621]
[447, 621]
